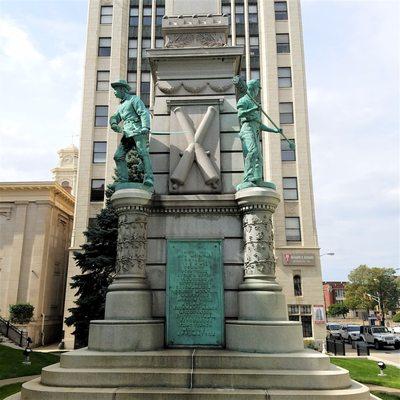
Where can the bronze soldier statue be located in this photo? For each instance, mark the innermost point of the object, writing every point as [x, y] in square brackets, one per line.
[135, 131]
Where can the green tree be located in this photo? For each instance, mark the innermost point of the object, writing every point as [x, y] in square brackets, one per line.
[373, 286]
[96, 260]
[338, 309]
[396, 318]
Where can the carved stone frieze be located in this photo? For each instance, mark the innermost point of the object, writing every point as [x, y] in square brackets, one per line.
[198, 39]
[168, 88]
[131, 244]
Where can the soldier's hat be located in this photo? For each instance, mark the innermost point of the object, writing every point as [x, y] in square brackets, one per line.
[121, 83]
[253, 84]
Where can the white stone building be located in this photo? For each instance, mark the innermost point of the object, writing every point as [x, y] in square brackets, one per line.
[35, 234]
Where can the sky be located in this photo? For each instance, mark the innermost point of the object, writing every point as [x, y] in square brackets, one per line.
[352, 68]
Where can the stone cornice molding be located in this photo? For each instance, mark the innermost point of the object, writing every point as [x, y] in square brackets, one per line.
[195, 204]
[57, 194]
[195, 210]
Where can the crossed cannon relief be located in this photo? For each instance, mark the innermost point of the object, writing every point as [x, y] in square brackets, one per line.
[195, 151]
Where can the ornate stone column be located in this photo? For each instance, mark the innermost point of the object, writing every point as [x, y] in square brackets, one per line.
[132, 239]
[257, 206]
[262, 324]
[128, 323]
[129, 295]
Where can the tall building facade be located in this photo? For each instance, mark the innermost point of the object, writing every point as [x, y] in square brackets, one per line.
[270, 32]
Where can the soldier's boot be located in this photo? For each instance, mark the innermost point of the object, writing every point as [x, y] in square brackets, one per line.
[148, 171]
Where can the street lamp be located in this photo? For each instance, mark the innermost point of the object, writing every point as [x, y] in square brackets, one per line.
[380, 308]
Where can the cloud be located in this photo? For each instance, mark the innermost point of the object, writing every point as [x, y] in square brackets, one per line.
[352, 62]
[40, 98]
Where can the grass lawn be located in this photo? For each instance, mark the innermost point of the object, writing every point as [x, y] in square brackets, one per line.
[366, 371]
[386, 396]
[8, 390]
[11, 362]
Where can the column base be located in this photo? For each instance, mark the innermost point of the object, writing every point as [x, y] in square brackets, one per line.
[258, 305]
[117, 335]
[261, 284]
[264, 336]
[128, 305]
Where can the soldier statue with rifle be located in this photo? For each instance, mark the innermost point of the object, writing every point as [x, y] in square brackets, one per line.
[249, 113]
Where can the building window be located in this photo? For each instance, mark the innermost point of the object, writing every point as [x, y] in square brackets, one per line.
[132, 48]
[99, 152]
[146, 44]
[106, 14]
[302, 313]
[253, 14]
[101, 116]
[292, 229]
[290, 191]
[159, 43]
[281, 10]
[133, 16]
[104, 47]
[131, 79]
[339, 294]
[240, 41]
[145, 87]
[284, 77]
[160, 11]
[287, 154]
[255, 74]
[286, 113]
[97, 190]
[282, 43]
[254, 46]
[103, 80]
[226, 10]
[239, 14]
[297, 285]
[146, 16]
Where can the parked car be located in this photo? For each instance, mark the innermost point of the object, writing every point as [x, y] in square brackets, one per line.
[379, 336]
[333, 330]
[350, 332]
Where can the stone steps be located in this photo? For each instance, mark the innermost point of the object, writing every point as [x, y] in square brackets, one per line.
[182, 358]
[333, 378]
[34, 390]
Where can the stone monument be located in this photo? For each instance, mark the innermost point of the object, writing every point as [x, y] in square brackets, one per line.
[195, 311]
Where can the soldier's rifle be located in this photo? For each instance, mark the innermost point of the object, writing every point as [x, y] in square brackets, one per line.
[241, 86]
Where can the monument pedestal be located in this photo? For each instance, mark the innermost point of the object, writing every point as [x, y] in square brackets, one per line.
[262, 325]
[128, 323]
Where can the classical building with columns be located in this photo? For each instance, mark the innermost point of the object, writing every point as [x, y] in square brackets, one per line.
[35, 233]
[269, 43]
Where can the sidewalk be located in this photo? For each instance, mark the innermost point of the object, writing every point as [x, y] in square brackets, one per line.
[9, 381]
[382, 389]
